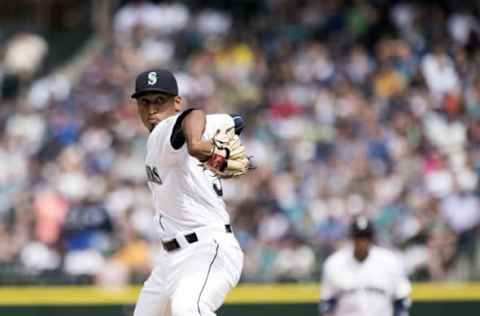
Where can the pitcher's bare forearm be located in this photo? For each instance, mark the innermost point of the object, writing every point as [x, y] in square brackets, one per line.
[193, 129]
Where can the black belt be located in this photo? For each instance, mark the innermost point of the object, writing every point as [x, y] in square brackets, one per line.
[173, 244]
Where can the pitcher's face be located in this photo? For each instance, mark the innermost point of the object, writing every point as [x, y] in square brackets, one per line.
[155, 107]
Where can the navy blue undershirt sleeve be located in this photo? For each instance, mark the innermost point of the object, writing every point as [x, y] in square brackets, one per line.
[177, 139]
[238, 122]
[401, 307]
[327, 306]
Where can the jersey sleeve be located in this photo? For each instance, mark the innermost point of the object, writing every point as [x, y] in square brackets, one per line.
[403, 287]
[329, 292]
[215, 122]
[168, 140]
[328, 288]
[402, 291]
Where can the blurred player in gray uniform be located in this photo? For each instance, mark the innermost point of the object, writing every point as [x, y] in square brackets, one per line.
[188, 153]
[363, 279]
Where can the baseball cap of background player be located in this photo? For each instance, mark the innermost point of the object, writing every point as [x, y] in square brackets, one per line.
[362, 227]
[155, 80]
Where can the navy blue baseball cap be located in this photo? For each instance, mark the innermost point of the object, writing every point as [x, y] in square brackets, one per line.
[362, 227]
[155, 80]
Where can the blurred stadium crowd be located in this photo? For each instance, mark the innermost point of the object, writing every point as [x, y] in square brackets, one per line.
[352, 107]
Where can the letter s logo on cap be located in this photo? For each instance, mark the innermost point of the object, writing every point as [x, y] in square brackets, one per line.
[152, 78]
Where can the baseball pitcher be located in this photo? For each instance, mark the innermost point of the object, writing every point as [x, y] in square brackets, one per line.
[188, 155]
[363, 279]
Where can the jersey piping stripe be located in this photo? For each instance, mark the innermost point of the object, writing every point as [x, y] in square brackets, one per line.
[206, 278]
[160, 221]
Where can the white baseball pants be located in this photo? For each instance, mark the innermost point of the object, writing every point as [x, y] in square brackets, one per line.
[193, 280]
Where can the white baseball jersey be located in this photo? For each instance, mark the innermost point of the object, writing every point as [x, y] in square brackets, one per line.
[194, 279]
[185, 196]
[364, 288]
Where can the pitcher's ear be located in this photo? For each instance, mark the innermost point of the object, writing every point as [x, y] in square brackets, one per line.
[178, 103]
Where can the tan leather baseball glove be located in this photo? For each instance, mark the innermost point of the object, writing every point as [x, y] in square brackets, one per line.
[228, 157]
